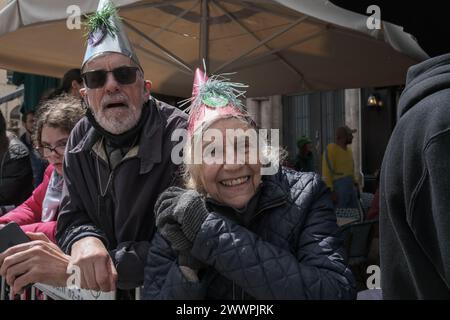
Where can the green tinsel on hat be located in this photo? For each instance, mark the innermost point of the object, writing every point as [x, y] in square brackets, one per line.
[218, 91]
[106, 34]
[101, 22]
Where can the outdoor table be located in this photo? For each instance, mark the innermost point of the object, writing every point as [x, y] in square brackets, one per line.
[341, 221]
[347, 215]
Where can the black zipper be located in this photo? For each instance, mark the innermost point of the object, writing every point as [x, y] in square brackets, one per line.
[270, 206]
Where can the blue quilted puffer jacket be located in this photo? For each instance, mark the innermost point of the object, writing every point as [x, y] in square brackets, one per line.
[287, 250]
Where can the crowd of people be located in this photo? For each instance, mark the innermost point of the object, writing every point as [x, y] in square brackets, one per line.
[114, 203]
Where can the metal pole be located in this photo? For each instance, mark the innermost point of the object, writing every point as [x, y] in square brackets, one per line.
[261, 43]
[3, 289]
[204, 35]
[258, 39]
[138, 293]
[166, 27]
[160, 47]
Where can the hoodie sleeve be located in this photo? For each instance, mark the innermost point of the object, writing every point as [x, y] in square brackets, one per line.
[430, 217]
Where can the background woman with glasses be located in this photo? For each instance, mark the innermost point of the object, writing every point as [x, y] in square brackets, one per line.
[55, 120]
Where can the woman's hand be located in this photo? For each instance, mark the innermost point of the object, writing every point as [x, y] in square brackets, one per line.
[39, 260]
[179, 214]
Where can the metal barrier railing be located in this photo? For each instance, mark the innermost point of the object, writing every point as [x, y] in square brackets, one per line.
[63, 293]
[3, 289]
[13, 95]
[41, 291]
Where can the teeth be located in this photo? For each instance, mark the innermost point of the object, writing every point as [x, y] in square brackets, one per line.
[235, 182]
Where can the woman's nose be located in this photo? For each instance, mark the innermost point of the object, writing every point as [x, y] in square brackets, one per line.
[232, 166]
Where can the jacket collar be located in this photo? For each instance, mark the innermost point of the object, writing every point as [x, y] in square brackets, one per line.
[272, 191]
[150, 141]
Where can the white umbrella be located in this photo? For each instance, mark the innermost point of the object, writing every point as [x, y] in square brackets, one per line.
[276, 46]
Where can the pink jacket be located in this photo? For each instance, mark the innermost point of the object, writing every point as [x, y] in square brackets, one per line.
[28, 214]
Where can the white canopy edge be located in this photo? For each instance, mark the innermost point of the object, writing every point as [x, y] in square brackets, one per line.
[17, 14]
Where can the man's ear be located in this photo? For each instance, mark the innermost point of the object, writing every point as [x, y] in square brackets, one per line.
[84, 96]
[147, 88]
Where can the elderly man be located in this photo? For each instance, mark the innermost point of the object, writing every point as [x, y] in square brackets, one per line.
[118, 160]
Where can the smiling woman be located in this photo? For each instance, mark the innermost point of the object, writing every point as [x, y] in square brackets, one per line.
[235, 233]
[229, 182]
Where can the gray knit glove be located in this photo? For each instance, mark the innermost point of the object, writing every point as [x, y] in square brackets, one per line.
[179, 214]
[176, 237]
[179, 243]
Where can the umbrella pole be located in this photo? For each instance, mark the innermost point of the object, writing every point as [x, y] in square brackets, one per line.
[204, 35]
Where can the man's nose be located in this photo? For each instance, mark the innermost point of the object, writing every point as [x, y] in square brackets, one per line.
[111, 84]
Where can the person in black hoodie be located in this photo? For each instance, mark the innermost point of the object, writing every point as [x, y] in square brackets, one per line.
[415, 189]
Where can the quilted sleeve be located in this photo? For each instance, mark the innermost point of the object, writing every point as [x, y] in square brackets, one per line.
[312, 269]
[163, 278]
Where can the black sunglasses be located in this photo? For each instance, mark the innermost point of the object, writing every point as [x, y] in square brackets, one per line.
[97, 78]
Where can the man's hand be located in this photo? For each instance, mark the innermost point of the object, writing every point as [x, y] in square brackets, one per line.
[97, 269]
[37, 261]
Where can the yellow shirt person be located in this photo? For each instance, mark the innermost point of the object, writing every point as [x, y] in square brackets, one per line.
[340, 164]
[338, 169]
